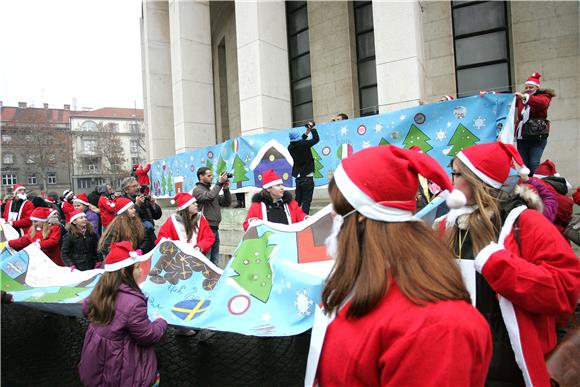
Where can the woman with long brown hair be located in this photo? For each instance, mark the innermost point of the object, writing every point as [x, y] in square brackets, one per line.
[125, 227]
[401, 314]
[527, 274]
[118, 348]
[79, 245]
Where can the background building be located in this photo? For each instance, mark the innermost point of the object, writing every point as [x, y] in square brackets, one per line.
[106, 143]
[36, 148]
[220, 69]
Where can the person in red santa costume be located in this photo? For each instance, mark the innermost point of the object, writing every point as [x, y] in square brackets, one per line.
[532, 108]
[528, 275]
[187, 224]
[43, 232]
[273, 203]
[17, 210]
[142, 176]
[397, 311]
[67, 204]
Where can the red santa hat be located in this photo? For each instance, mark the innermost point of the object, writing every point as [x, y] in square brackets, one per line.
[75, 215]
[123, 204]
[41, 214]
[270, 179]
[82, 198]
[49, 199]
[381, 182]
[136, 166]
[66, 193]
[492, 162]
[17, 187]
[122, 255]
[534, 79]
[447, 98]
[547, 168]
[183, 200]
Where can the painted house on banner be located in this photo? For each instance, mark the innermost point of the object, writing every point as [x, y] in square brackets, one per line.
[273, 155]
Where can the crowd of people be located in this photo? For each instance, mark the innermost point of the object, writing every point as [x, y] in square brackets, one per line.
[396, 310]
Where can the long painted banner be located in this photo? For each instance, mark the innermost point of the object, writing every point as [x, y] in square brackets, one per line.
[439, 129]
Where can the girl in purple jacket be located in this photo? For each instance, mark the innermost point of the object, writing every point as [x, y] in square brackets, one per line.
[118, 348]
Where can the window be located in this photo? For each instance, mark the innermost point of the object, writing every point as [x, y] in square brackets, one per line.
[134, 146]
[89, 126]
[31, 179]
[299, 54]
[92, 167]
[84, 183]
[365, 54]
[8, 179]
[134, 160]
[8, 158]
[134, 127]
[481, 42]
[90, 146]
[114, 126]
[51, 177]
[6, 138]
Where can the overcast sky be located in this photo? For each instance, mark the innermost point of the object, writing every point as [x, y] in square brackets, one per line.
[57, 50]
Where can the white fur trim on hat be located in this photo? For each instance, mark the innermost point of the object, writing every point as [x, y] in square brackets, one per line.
[19, 188]
[367, 206]
[76, 216]
[486, 179]
[131, 260]
[76, 199]
[35, 219]
[187, 204]
[272, 183]
[532, 83]
[125, 208]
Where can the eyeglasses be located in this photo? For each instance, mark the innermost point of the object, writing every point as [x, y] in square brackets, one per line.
[455, 174]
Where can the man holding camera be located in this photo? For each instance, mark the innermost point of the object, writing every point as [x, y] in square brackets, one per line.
[210, 202]
[147, 209]
[303, 169]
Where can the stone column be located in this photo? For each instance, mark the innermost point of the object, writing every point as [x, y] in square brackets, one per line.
[157, 98]
[191, 70]
[399, 54]
[264, 77]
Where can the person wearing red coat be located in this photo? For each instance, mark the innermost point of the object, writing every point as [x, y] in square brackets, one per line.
[528, 276]
[107, 210]
[17, 211]
[142, 174]
[550, 178]
[42, 232]
[273, 203]
[67, 204]
[187, 225]
[532, 105]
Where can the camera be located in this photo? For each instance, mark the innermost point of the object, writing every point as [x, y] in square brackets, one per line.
[229, 175]
[310, 124]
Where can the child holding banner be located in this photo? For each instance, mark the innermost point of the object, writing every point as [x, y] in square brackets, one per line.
[118, 348]
[402, 312]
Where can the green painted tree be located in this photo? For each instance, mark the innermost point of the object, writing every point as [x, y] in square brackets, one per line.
[317, 164]
[417, 137]
[252, 263]
[384, 142]
[170, 186]
[240, 171]
[462, 138]
[163, 184]
[221, 166]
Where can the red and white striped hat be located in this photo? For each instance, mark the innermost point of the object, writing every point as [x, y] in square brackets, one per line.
[122, 255]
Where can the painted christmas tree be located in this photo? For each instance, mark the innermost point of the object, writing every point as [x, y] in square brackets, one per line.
[163, 183]
[240, 171]
[317, 164]
[384, 142]
[252, 263]
[462, 138]
[417, 137]
[170, 184]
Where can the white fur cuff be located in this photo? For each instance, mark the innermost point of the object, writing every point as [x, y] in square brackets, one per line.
[484, 255]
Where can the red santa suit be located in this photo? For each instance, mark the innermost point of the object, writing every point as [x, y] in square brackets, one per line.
[173, 229]
[21, 218]
[259, 209]
[107, 209]
[142, 174]
[400, 343]
[67, 210]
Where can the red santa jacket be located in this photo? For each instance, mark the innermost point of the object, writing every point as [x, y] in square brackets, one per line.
[142, 175]
[107, 208]
[400, 343]
[49, 246]
[22, 222]
[538, 280]
[538, 104]
[173, 229]
[258, 209]
[67, 210]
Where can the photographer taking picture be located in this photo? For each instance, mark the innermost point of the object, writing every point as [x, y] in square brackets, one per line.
[303, 169]
[147, 209]
[210, 202]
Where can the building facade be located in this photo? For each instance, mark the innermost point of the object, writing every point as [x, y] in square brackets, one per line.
[220, 69]
[106, 143]
[36, 148]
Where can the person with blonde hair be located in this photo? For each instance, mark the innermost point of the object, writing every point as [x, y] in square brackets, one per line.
[400, 313]
[527, 274]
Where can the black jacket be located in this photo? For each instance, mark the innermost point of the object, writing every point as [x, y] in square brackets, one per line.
[275, 210]
[147, 211]
[302, 155]
[80, 251]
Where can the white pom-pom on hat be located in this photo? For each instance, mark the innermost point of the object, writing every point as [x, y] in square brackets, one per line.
[524, 171]
[113, 205]
[172, 201]
[456, 199]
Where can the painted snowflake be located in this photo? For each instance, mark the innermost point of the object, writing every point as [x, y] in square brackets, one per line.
[479, 122]
[440, 135]
[378, 127]
[303, 303]
[344, 130]
[403, 117]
